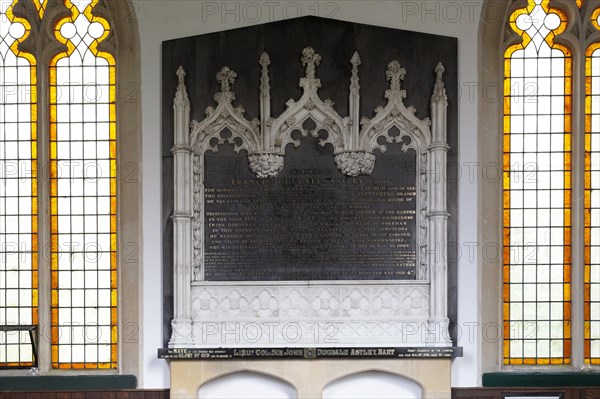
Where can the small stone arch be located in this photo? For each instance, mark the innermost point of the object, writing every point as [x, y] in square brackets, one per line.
[373, 384]
[248, 384]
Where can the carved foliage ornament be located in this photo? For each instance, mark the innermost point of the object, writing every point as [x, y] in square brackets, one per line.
[353, 142]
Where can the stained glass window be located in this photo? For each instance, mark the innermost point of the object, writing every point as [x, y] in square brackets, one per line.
[18, 190]
[537, 190]
[592, 201]
[83, 194]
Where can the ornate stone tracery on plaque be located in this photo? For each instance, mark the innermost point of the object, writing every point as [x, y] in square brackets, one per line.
[251, 272]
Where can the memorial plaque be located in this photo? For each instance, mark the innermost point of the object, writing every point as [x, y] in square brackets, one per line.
[311, 222]
[310, 192]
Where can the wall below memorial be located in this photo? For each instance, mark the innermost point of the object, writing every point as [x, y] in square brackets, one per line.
[310, 378]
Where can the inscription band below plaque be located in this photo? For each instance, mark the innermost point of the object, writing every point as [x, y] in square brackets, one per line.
[308, 353]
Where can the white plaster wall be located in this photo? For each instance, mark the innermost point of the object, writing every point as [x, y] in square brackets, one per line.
[161, 20]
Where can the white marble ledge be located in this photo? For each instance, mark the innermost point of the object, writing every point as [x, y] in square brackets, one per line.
[309, 283]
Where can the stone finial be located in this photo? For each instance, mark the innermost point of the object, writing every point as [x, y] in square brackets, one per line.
[394, 74]
[311, 60]
[265, 100]
[181, 96]
[355, 60]
[181, 75]
[439, 70]
[439, 90]
[226, 77]
[264, 59]
[264, 78]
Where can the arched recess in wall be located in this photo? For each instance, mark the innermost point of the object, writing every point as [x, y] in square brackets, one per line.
[247, 384]
[372, 384]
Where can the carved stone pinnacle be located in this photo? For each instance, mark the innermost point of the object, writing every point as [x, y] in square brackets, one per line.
[354, 87]
[264, 79]
[310, 59]
[395, 73]
[226, 77]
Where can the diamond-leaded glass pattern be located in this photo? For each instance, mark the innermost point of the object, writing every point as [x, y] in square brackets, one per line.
[83, 194]
[40, 5]
[18, 190]
[537, 190]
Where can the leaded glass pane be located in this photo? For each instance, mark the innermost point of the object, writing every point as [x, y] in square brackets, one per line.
[83, 187]
[18, 191]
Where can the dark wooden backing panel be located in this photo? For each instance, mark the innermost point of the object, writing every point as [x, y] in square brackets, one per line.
[127, 394]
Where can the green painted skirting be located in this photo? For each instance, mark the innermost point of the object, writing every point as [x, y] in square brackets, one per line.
[507, 379]
[67, 383]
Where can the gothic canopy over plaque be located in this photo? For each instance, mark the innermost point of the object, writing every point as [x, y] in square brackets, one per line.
[265, 140]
